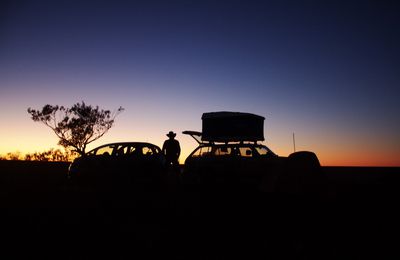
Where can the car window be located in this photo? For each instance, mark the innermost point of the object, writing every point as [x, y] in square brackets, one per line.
[120, 150]
[147, 150]
[106, 150]
[246, 152]
[157, 150]
[223, 150]
[135, 151]
[202, 151]
[262, 150]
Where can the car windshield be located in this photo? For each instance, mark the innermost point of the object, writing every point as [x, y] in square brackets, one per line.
[261, 150]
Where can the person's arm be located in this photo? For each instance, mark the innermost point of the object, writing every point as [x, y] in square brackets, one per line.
[179, 148]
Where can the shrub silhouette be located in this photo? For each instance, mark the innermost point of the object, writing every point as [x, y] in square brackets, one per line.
[52, 155]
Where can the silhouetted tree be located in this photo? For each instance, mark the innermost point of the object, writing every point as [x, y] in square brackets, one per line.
[77, 126]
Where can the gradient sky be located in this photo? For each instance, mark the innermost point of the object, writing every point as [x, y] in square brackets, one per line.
[328, 71]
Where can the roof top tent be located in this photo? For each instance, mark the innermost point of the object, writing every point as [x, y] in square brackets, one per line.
[232, 127]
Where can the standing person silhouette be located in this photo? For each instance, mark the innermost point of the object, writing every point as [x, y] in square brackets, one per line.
[171, 149]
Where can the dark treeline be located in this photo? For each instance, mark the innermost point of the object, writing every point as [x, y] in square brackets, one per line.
[52, 155]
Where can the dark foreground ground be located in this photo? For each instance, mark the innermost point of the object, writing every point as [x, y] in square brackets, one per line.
[42, 216]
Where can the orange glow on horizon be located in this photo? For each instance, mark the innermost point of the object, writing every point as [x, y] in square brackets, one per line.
[325, 160]
[30, 137]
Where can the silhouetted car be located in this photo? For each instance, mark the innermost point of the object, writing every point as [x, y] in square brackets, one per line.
[131, 165]
[230, 157]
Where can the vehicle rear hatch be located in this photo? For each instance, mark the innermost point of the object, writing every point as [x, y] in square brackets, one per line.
[195, 134]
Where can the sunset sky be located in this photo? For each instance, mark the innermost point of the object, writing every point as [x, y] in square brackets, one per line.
[328, 71]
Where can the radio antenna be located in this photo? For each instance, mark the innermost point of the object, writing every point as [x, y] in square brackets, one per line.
[294, 143]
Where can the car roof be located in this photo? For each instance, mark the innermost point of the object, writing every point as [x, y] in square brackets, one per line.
[126, 143]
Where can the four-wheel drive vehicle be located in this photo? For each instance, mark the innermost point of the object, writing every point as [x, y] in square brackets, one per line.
[230, 157]
[119, 165]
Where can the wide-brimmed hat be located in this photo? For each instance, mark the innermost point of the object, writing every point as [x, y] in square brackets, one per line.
[171, 134]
